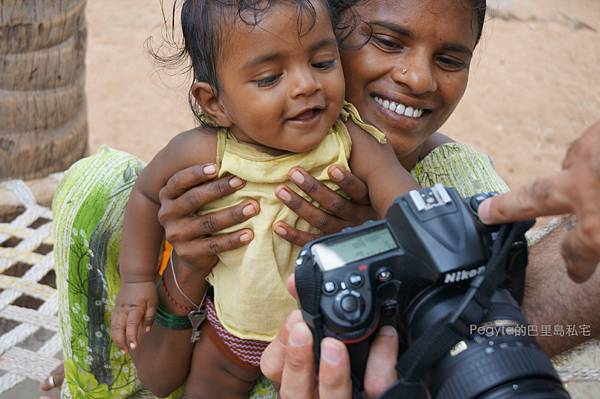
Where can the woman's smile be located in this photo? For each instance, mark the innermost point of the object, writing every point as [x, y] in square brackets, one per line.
[406, 67]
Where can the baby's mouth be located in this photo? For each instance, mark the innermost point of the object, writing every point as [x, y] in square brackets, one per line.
[307, 115]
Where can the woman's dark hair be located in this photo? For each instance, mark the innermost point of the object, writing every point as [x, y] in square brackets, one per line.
[345, 23]
[204, 24]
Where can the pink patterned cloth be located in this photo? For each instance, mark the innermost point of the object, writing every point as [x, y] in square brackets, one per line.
[247, 350]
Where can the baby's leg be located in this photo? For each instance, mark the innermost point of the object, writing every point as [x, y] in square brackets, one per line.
[215, 374]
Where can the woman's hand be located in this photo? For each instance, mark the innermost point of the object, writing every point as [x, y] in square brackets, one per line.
[335, 212]
[185, 193]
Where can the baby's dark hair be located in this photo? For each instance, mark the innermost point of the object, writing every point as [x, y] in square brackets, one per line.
[203, 24]
[345, 23]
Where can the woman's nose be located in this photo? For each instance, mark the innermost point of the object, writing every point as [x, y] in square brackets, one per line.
[416, 71]
[303, 83]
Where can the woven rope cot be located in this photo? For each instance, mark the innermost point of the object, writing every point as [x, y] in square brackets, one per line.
[29, 340]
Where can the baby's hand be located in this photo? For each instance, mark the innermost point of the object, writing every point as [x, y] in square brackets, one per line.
[135, 304]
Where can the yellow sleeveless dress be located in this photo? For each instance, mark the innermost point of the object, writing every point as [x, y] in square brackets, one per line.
[249, 283]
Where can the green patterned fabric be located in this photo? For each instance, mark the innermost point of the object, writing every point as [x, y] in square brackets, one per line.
[88, 211]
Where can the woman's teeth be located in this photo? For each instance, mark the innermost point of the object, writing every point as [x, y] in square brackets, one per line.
[400, 109]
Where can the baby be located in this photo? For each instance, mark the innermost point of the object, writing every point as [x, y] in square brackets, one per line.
[268, 79]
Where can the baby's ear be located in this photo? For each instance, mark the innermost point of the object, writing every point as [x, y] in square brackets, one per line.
[206, 97]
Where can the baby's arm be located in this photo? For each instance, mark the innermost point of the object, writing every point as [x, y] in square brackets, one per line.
[142, 233]
[376, 164]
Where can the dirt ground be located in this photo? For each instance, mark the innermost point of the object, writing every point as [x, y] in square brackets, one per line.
[535, 83]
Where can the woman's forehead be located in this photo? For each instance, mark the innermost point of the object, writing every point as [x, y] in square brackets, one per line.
[449, 17]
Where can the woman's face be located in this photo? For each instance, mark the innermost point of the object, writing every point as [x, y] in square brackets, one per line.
[413, 70]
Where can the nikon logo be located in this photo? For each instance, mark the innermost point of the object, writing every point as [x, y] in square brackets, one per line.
[463, 275]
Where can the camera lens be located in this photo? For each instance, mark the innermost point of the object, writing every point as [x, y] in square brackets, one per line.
[497, 361]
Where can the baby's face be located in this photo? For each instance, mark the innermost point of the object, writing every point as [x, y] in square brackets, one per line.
[280, 88]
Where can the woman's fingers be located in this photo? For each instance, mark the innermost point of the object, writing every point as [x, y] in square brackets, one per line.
[352, 185]
[187, 178]
[293, 235]
[314, 216]
[210, 223]
[180, 199]
[212, 246]
[329, 200]
[58, 376]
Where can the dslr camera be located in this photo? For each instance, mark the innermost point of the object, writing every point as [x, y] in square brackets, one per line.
[448, 283]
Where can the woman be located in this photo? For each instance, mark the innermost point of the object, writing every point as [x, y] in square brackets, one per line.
[409, 54]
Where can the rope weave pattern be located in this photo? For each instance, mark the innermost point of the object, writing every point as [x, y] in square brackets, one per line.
[27, 305]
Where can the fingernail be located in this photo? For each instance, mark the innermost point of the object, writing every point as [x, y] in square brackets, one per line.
[388, 331]
[245, 237]
[235, 182]
[297, 177]
[331, 353]
[132, 345]
[280, 230]
[148, 329]
[209, 169]
[249, 210]
[336, 174]
[299, 335]
[283, 194]
[484, 211]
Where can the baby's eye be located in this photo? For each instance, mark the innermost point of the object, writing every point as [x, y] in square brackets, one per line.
[451, 64]
[267, 81]
[387, 43]
[324, 64]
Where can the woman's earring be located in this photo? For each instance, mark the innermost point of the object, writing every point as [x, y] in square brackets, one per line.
[403, 71]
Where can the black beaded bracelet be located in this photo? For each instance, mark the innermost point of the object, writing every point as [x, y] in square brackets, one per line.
[170, 320]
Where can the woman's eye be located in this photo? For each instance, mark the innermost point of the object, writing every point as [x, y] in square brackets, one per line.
[324, 64]
[451, 64]
[387, 43]
[267, 81]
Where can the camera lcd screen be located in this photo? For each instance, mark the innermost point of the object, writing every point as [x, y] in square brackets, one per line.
[347, 250]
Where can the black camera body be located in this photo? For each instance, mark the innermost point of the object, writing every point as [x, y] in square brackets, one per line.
[412, 270]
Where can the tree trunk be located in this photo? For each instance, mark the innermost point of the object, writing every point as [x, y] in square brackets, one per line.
[43, 117]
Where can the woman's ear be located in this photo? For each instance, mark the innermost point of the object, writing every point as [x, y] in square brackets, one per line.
[206, 97]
